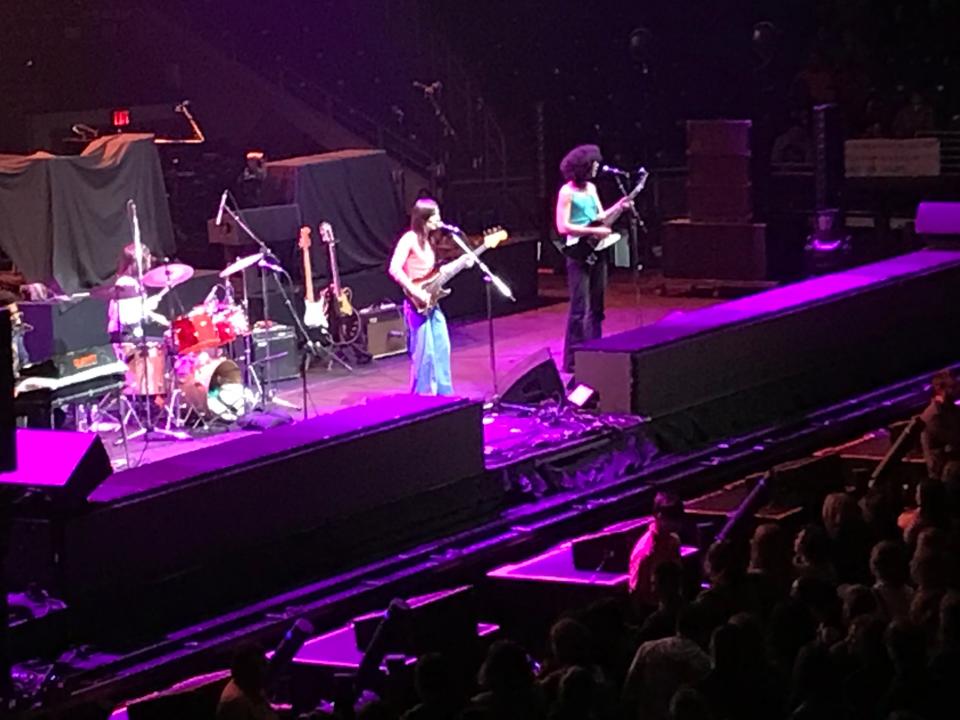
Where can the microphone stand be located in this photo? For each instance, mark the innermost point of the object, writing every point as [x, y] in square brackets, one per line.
[314, 348]
[636, 225]
[148, 432]
[490, 279]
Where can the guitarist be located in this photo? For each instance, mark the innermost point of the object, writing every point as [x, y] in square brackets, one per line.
[578, 205]
[429, 344]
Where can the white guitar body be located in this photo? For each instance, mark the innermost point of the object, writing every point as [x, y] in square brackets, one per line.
[315, 313]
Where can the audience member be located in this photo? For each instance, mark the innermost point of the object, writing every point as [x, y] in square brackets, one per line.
[661, 667]
[888, 563]
[940, 438]
[667, 584]
[849, 542]
[436, 690]
[244, 697]
[509, 689]
[660, 543]
[910, 689]
[931, 511]
[770, 566]
[812, 555]
[688, 704]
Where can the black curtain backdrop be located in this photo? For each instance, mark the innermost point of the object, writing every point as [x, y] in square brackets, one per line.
[64, 219]
[353, 190]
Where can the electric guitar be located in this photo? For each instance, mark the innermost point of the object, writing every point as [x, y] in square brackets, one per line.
[433, 282]
[582, 247]
[342, 318]
[314, 311]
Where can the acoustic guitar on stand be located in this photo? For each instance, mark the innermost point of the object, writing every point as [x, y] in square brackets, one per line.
[433, 283]
[342, 318]
[314, 311]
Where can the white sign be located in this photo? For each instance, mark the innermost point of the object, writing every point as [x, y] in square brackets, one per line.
[916, 157]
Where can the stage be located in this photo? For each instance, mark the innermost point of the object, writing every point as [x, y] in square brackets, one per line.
[517, 336]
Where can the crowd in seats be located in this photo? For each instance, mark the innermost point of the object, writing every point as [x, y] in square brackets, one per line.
[858, 619]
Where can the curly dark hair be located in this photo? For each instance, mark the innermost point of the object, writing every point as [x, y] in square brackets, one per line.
[577, 164]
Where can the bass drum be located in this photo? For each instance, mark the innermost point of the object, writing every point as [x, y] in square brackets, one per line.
[215, 390]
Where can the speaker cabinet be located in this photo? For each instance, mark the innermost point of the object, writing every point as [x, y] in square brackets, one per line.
[385, 330]
[533, 380]
[67, 465]
[719, 251]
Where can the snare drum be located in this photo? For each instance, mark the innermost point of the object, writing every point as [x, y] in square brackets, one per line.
[146, 369]
[194, 331]
[231, 323]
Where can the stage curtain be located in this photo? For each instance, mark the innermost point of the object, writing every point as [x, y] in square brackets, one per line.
[64, 219]
[353, 190]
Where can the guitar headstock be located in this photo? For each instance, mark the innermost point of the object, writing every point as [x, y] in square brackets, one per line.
[304, 241]
[494, 236]
[326, 233]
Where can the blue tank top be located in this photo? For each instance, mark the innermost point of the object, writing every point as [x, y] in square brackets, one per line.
[583, 208]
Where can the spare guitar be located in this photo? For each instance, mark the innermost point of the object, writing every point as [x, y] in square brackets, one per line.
[433, 283]
[586, 247]
[314, 311]
[342, 318]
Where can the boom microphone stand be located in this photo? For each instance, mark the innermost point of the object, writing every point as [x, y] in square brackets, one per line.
[272, 264]
[490, 279]
[635, 227]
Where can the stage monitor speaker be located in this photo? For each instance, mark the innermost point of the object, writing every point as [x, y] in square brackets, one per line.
[8, 439]
[441, 621]
[533, 380]
[67, 465]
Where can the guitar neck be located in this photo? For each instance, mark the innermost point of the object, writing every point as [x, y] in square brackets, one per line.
[455, 266]
[307, 275]
[334, 270]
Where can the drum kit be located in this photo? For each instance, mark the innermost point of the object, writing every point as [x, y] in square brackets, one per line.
[200, 371]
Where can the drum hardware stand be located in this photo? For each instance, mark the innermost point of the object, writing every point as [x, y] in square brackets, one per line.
[490, 280]
[147, 430]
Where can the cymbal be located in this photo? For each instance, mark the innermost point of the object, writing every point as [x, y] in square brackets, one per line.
[116, 291]
[241, 264]
[167, 275]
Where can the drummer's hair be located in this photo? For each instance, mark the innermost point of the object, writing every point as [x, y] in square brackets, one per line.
[8, 298]
[127, 264]
[421, 212]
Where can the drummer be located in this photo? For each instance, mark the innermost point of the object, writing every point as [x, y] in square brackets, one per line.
[127, 311]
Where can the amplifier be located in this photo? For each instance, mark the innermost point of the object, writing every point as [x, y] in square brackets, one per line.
[283, 349]
[384, 329]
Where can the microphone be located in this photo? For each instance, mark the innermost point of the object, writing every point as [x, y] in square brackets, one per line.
[453, 229]
[131, 207]
[270, 265]
[223, 202]
[610, 170]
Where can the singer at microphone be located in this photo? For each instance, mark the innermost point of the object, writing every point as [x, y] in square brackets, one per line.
[586, 226]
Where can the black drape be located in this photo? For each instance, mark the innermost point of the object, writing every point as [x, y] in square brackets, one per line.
[353, 190]
[64, 219]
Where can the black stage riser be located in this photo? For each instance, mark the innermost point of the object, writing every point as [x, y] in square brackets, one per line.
[263, 509]
[717, 382]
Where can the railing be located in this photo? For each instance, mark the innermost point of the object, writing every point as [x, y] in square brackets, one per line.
[359, 122]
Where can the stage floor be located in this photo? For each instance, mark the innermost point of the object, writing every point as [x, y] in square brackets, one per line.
[517, 336]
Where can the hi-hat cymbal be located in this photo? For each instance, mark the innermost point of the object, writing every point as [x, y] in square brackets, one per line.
[168, 275]
[119, 290]
[241, 264]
